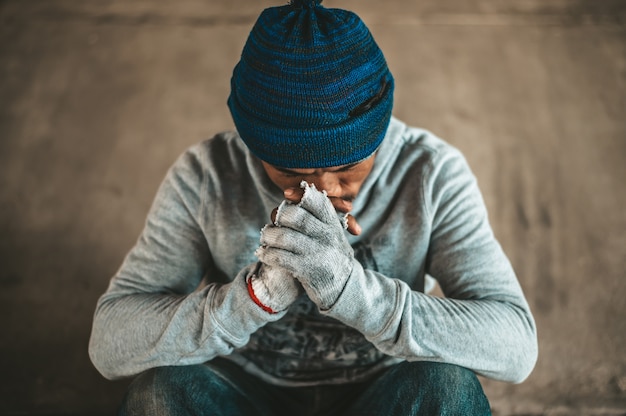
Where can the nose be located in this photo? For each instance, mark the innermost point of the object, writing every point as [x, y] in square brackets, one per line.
[329, 182]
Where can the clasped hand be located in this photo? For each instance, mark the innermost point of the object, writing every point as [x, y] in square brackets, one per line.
[308, 240]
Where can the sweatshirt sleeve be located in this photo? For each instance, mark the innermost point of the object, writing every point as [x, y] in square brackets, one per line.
[484, 322]
[154, 312]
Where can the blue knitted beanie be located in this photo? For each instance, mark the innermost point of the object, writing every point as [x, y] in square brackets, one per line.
[312, 88]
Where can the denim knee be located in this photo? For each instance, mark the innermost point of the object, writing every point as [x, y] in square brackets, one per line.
[441, 388]
[141, 393]
[173, 391]
[423, 388]
[192, 390]
[157, 391]
[433, 374]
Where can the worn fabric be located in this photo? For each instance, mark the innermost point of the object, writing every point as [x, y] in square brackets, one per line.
[308, 239]
[274, 288]
[180, 296]
[417, 388]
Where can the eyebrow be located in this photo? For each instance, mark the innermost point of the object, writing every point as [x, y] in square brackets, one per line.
[347, 167]
[341, 169]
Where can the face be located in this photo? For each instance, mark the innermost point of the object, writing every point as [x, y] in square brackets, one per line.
[341, 183]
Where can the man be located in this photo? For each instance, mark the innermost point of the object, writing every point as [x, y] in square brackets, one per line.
[324, 310]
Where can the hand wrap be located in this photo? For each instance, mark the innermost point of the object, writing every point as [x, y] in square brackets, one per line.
[308, 240]
[273, 289]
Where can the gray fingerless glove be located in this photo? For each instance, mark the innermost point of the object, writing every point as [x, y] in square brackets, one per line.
[308, 239]
[272, 288]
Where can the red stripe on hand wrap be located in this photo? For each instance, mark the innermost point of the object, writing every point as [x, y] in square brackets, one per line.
[256, 300]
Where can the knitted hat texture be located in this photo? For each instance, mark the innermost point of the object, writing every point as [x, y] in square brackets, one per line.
[312, 88]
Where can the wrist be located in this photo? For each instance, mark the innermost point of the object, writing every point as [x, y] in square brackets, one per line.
[259, 294]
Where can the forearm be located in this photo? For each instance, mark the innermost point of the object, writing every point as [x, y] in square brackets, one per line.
[135, 332]
[495, 338]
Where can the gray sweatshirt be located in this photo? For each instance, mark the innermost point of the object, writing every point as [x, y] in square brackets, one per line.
[180, 297]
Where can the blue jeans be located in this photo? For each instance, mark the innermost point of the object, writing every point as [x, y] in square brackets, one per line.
[222, 388]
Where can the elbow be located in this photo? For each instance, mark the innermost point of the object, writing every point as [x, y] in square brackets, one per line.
[104, 370]
[524, 366]
[102, 362]
[524, 358]
[103, 356]
[517, 356]
[524, 352]
[106, 354]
